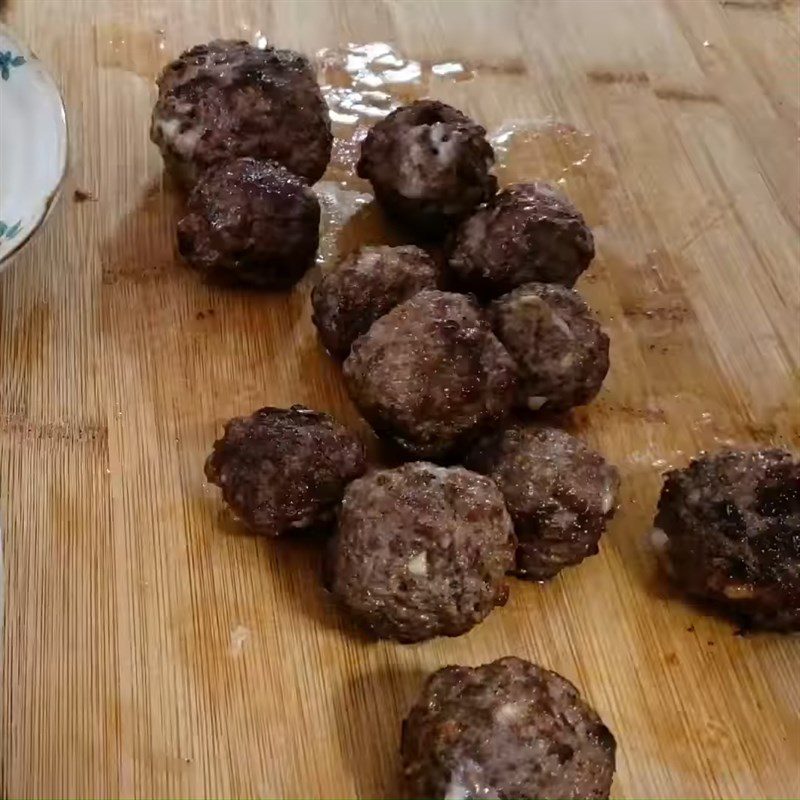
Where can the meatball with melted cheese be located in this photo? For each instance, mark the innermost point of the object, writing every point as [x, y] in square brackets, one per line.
[429, 165]
[421, 551]
[228, 99]
[560, 349]
[728, 530]
[559, 492]
[505, 730]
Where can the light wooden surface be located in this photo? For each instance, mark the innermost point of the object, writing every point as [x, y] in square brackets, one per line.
[150, 650]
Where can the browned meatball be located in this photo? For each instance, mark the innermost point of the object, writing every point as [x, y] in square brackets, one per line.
[251, 222]
[728, 526]
[367, 284]
[559, 492]
[508, 730]
[559, 347]
[428, 164]
[421, 551]
[282, 470]
[529, 232]
[430, 373]
[227, 99]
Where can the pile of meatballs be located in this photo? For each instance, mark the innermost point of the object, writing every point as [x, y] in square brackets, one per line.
[457, 362]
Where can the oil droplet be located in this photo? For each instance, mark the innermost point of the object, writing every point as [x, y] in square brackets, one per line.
[367, 66]
[553, 151]
[338, 205]
[366, 81]
[454, 70]
[361, 84]
[350, 219]
[368, 226]
[344, 157]
[141, 52]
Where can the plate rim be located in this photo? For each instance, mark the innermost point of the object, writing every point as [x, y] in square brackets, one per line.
[50, 199]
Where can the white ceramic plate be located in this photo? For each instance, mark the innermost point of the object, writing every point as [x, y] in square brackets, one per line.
[33, 144]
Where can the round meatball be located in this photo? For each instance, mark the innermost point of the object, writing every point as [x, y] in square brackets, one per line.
[559, 492]
[367, 284]
[728, 526]
[509, 729]
[282, 470]
[251, 222]
[529, 232]
[559, 347]
[431, 373]
[421, 551]
[227, 99]
[428, 164]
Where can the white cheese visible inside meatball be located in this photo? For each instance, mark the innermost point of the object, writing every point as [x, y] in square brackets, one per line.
[560, 349]
[728, 528]
[418, 565]
[421, 551]
[184, 141]
[508, 729]
[229, 99]
[467, 782]
[560, 494]
[429, 165]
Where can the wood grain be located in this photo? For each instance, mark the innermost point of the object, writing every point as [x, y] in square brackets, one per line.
[151, 649]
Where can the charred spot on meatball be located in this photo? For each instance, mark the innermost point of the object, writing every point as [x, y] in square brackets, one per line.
[250, 222]
[228, 99]
[559, 492]
[364, 287]
[560, 349]
[430, 374]
[728, 527]
[429, 165]
[529, 232]
[283, 470]
[421, 551]
[509, 729]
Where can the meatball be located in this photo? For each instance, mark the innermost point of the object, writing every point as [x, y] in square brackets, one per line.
[729, 529]
[560, 349]
[559, 492]
[367, 284]
[529, 232]
[227, 99]
[509, 729]
[251, 222]
[431, 373]
[428, 164]
[421, 551]
[282, 470]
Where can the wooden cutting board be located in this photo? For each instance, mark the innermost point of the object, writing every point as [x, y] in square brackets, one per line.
[151, 649]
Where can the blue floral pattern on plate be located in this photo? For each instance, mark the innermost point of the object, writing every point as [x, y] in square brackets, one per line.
[9, 231]
[7, 60]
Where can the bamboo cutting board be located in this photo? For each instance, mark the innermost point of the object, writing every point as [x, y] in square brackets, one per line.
[151, 650]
